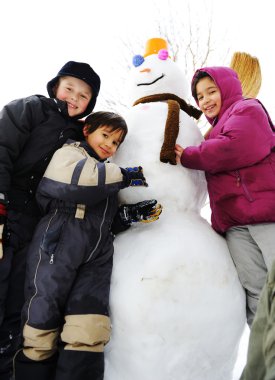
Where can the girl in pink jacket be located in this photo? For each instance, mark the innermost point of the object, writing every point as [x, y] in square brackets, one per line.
[238, 157]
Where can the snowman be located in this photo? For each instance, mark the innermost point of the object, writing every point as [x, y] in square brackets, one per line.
[177, 307]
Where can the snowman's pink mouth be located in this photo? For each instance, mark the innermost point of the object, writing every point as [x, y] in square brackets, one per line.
[154, 81]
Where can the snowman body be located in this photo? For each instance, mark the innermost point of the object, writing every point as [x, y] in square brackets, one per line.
[177, 307]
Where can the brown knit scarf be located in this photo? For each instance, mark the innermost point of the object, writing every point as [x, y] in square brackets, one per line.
[175, 103]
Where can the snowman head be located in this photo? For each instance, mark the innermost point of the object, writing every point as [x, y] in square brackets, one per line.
[156, 73]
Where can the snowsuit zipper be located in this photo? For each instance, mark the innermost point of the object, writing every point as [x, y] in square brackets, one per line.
[240, 182]
[36, 270]
[100, 231]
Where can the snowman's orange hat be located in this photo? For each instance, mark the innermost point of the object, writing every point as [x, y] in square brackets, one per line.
[154, 45]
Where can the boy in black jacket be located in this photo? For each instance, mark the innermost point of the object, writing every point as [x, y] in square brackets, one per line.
[31, 130]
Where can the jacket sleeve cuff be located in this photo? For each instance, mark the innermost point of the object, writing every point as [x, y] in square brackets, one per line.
[3, 199]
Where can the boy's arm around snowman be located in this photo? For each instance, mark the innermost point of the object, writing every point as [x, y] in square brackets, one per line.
[75, 176]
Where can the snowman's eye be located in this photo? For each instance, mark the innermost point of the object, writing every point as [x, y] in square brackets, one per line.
[163, 54]
[138, 60]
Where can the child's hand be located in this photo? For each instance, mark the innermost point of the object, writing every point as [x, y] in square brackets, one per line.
[178, 150]
[134, 176]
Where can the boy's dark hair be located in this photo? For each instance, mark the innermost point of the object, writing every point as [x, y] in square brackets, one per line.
[110, 119]
[197, 77]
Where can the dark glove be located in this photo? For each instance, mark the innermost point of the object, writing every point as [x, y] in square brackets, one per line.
[134, 176]
[145, 212]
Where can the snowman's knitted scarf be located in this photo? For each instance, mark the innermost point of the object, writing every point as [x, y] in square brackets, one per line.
[175, 103]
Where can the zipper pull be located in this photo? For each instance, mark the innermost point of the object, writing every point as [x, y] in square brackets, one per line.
[238, 179]
[51, 259]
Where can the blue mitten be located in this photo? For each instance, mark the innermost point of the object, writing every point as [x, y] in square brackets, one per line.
[134, 176]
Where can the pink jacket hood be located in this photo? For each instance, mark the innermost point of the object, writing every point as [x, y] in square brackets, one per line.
[228, 83]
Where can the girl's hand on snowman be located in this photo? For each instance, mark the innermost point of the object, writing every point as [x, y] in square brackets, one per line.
[134, 176]
[178, 151]
[145, 212]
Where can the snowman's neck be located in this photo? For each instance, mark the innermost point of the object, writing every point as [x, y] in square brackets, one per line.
[167, 153]
[187, 108]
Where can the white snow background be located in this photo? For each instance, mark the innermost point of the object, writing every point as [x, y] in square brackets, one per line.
[37, 38]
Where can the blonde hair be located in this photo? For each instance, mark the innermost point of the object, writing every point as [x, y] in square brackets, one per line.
[249, 72]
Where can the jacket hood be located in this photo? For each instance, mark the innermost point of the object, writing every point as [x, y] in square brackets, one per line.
[81, 71]
[228, 83]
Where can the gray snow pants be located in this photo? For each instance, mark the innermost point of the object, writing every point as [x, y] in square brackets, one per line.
[252, 248]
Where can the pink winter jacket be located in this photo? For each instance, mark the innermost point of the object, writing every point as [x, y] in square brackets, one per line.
[238, 158]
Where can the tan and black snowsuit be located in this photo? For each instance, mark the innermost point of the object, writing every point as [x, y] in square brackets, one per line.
[69, 268]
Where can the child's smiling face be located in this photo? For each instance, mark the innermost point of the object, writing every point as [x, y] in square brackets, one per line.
[209, 97]
[104, 141]
[75, 92]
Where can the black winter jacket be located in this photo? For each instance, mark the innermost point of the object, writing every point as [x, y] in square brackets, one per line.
[31, 130]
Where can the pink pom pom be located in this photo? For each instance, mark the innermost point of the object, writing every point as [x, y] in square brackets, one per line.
[163, 54]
